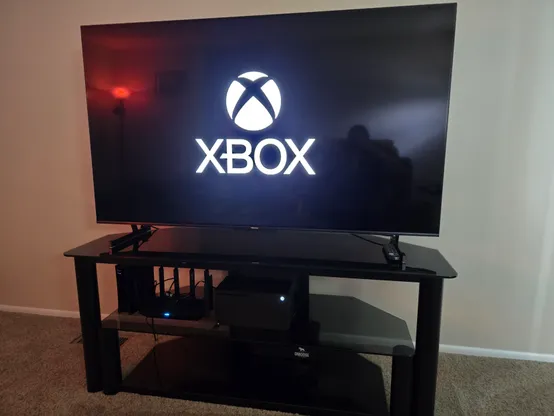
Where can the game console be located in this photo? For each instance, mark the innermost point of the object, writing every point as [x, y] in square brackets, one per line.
[255, 303]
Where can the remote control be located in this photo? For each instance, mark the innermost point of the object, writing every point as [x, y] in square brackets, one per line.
[391, 253]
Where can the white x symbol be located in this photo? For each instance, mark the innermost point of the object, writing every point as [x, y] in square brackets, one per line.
[210, 156]
[299, 156]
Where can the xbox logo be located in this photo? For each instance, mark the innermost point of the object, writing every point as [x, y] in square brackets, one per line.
[253, 101]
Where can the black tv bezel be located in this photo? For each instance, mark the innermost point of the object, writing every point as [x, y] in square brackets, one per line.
[270, 228]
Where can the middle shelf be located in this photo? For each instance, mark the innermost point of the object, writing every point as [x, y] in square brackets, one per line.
[343, 322]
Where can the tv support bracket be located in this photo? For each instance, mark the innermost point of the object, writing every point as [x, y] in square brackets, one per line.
[392, 252]
[134, 238]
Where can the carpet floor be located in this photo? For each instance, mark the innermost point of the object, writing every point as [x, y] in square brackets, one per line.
[42, 373]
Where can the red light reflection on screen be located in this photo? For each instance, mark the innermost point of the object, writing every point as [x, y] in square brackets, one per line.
[121, 93]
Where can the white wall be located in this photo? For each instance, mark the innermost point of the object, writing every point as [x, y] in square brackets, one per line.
[498, 216]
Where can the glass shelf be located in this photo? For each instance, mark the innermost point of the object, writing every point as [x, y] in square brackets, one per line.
[344, 323]
[221, 371]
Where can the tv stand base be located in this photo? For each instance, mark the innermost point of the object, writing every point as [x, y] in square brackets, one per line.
[209, 370]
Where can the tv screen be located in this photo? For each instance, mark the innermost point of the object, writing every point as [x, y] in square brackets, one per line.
[320, 121]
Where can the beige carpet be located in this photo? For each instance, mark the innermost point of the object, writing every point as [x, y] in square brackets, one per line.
[41, 373]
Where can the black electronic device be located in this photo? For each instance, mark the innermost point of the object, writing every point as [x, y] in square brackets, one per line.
[161, 276]
[135, 287]
[125, 292]
[333, 121]
[255, 303]
[392, 252]
[176, 284]
[184, 308]
[180, 302]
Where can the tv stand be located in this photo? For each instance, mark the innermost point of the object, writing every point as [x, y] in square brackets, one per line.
[323, 374]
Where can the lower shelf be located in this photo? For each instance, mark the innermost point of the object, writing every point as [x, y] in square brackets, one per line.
[220, 371]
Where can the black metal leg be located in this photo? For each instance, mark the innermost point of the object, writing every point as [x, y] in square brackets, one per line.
[192, 283]
[111, 361]
[208, 291]
[401, 386]
[89, 311]
[426, 358]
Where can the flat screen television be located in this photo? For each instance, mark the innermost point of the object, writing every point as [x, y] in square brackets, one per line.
[331, 121]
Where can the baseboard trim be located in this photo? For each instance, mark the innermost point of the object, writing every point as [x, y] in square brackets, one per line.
[486, 352]
[40, 311]
[448, 349]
